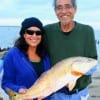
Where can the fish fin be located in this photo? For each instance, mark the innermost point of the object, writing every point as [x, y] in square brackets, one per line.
[76, 73]
[71, 85]
[11, 92]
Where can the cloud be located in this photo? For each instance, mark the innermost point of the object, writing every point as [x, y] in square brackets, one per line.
[23, 8]
[14, 11]
[90, 17]
[10, 22]
[5, 4]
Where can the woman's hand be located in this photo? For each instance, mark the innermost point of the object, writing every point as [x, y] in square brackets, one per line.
[22, 90]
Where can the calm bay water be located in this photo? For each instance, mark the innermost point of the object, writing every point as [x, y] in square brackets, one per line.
[8, 35]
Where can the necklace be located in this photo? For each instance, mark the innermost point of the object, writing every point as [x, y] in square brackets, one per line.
[35, 60]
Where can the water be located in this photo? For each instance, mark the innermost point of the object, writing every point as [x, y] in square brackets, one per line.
[8, 35]
[97, 36]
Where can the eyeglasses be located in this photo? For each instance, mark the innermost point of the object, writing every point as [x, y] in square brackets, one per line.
[60, 7]
[31, 32]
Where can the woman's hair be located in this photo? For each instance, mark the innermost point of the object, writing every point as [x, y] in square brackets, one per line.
[22, 44]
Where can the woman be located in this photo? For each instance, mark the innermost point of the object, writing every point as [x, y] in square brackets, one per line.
[25, 62]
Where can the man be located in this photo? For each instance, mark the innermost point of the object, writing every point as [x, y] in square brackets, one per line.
[68, 38]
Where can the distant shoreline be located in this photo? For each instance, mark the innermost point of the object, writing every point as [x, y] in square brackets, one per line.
[3, 51]
[2, 54]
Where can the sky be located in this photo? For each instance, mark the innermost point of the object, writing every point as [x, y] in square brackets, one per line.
[12, 12]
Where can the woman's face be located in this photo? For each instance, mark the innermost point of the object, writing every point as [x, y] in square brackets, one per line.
[33, 36]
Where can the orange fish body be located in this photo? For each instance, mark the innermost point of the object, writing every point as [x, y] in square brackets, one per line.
[60, 75]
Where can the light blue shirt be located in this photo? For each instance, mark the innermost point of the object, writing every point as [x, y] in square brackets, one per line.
[77, 96]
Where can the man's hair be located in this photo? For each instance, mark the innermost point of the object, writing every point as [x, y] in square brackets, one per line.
[73, 3]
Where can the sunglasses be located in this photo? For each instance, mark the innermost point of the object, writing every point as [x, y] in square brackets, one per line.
[31, 32]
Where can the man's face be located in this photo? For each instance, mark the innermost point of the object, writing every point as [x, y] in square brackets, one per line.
[65, 11]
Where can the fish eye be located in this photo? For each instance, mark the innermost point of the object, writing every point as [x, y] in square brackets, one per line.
[14, 94]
